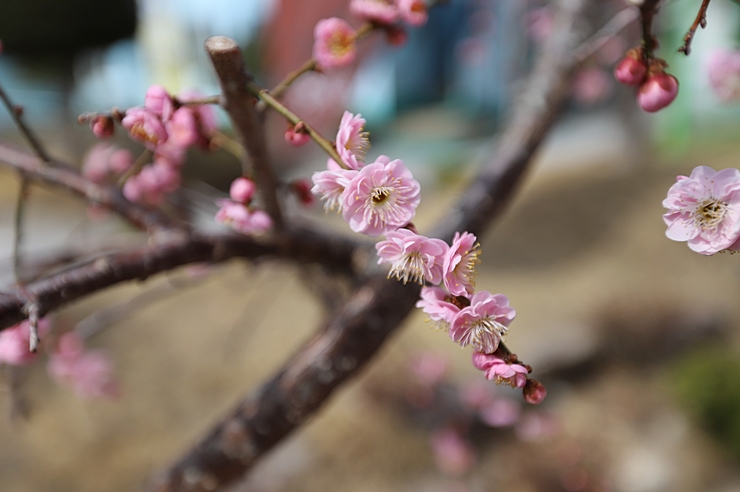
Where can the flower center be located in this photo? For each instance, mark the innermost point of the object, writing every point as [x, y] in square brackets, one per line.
[411, 267]
[340, 43]
[486, 333]
[379, 195]
[139, 130]
[709, 213]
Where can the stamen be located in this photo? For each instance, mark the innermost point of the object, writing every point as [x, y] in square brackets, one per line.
[709, 213]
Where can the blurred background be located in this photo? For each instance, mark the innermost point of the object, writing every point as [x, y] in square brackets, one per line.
[635, 337]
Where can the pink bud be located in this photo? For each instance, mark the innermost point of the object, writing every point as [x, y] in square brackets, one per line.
[413, 11]
[396, 35]
[102, 126]
[632, 69]
[534, 392]
[658, 91]
[159, 102]
[296, 137]
[242, 190]
[302, 189]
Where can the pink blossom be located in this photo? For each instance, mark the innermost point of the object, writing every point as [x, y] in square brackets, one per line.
[476, 394]
[204, 113]
[632, 69]
[352, 142]
[412, 257]
[723, 68]
[453, 455]
[330, 184]
[429, 368]
[382, 11]
[657, 92]
[159, 102]
[173, 154]
[296, 138]
[534, 392]
[14, 342]
[241, 218]
[145, 127]
[501, 412]
[439, 306]
[704, 209]
[459, 264]
[334, 43]
[242, 190]
[514, 375]
[484, 323]
[151, 184]
[540, 24]
[592, 85]
[182, 128]
[380, 198]
[102, 126]
[413, 12]
[104, 160]
[89, 373]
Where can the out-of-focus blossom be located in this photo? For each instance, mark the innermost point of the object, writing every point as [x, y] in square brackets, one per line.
[158, 101]
[438, 305]
[459, 264]
[330, 185]
[396, 35]
[413, 12]
[632, 69]
[412, 257]
[104, 160]
[476, 394]
[151, 184]
[514, 375]
[429, 368]
[534, 392]
[88, 373]
[535, 426]
[145, 127]
[352, 141]
[453, 455]
[539, 24]
[302, 189]
[704, 209]
[723, 67]
[484, 323]
[182, 128]
[657, 92]
[242, 219]
[242, 190]
[15, 340]
[102, 126]
[296, 138]
[334, 43]
[382, 11]
[204, 113]
[381, 198]
[591, 85]
[501, 412]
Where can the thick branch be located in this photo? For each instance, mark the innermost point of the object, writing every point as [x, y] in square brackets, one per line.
[227, 60]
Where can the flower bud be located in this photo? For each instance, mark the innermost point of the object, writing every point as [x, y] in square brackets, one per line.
[632, 69]
[657, 92]
[297, 136]
[534, 392]
[302, 190]
[102, 126]
[241, 190]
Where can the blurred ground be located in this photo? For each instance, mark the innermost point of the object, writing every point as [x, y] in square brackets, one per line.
[581, 246]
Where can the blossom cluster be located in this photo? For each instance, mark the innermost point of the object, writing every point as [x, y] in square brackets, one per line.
[704, 210]
[335, 39]
[656, 89]
[237, 213]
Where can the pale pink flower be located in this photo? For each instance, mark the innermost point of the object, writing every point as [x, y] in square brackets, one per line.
[204, 113]
[439, 306]
[182, 128]
[352, 142]
[159, 102]
[88, 373]
[723, 68]
[632, 69]
[242, 190]
[14, 342]
[382, 11]
[330, 184]
[453, 455]
[102, 126]
[704, 209]
[105, 160]
[296, 138]
[413, 12]
[380, 198]
[514, 375]
[501, 412]
[145, 127]
[484, 323]
[657, 92]
[412, 257]
[173, 154]
[334, 43]
[459, 264]
[429, 368]
[242, 219]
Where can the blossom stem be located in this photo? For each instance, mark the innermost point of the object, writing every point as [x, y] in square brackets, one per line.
[227, 143]
[272, 102]
[701, 20]
[135, 167]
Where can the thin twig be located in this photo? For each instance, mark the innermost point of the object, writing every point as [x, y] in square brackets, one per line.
[701, 20]
[138, 164]
[16, 112]
[18, 226]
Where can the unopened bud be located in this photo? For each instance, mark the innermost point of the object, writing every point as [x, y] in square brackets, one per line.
[657, 92]
[296, 135]
[534, 392]
[242, 189]
[302, 190]
[632, 69]
[102, 126]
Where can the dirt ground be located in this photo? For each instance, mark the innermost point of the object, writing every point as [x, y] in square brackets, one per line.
[577, 242]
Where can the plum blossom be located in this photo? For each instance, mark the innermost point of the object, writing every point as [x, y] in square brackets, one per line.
[330, 184]
[242, 190]
[704, 209]
[484, 323]
[204, 113]
[498, 370]
[453, 455]
[534, 392]
[14, 342]
[414, 12]
[459, 264]
[102, 126]
[158, 101]
[352, 142]
[295, 137]
[501, 412]
[412, 257]
[241, 218]
[632, 69]
[152, 183]
[334, 43]
[657, 92]
[723, 68]
[382, 11]
[145, 127]
[182, 128]
[429, 368]
[382, 197]
[105, 160]
[439, 306]
[88, 373]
